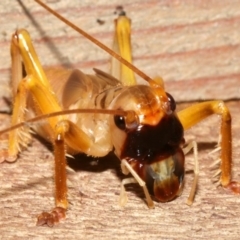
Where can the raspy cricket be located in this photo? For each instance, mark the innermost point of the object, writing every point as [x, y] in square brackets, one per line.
[95, 114]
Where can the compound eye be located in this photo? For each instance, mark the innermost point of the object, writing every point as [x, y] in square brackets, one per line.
[128, 122]
[120, 122]
[171, 102]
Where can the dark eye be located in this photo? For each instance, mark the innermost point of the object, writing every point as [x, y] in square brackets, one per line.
[171, 101]
[120, 122]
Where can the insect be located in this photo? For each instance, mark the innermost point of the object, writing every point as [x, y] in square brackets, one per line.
[95, 113]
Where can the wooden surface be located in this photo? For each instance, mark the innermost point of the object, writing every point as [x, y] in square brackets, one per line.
[194, 45]
[193, 41]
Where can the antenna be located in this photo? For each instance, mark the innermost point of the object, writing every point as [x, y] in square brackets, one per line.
[96, 42]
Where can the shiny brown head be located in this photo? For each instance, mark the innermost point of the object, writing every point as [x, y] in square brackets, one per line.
[150, 140]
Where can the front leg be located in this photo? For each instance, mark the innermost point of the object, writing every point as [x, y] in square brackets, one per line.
[127, 168]
[64, 132]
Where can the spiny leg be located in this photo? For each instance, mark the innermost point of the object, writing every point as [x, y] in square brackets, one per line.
[37, 85]
[20, 137]
[34, 83]
[39, 88]
[126, 168]
[194, 114]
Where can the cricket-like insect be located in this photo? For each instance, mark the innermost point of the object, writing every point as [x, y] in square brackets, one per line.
[95, 113]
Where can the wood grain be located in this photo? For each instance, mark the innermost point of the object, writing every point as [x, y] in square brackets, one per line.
[194, 46]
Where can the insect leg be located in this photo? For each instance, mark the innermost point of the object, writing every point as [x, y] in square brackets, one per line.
[22, 50]
[193, 145]
[18, 138]
[38, 87]
[126, 169]
[123, 195]
[66, 133]
[194, 114]
[62, 130]
[122, 46]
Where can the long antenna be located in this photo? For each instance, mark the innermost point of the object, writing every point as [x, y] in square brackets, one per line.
[66, 112]
[96, 42]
